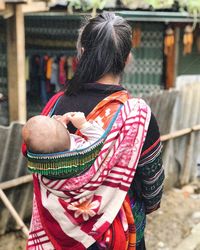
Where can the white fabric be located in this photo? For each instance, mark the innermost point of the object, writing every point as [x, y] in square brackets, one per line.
[92, 133]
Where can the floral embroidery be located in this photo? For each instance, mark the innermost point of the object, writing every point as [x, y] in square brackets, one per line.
[85, 207]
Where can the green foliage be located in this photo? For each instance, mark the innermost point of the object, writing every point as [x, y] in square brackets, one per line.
[87, 4]
[160, 4]
[192, 6]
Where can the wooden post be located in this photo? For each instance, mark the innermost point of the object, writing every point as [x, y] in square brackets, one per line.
[2, 5]
[176, 52]
[16, 65]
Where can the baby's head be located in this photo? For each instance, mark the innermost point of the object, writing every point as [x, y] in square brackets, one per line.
[43, 134]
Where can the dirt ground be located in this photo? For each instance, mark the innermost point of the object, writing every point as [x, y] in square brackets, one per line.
[179, 213]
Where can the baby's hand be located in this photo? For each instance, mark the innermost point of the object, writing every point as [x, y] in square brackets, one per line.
[62, 118]
[77, 119]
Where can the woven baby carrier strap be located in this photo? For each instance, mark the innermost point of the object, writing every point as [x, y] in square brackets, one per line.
[67, 163]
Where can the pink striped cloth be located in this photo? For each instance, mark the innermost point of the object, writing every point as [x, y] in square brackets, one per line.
[74, 213]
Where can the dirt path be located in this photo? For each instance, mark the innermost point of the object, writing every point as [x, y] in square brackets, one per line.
[179, 213]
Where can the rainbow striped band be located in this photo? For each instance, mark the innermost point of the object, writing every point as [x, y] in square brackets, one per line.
[64, 164]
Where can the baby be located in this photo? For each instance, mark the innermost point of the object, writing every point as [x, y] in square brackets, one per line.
[43, 134]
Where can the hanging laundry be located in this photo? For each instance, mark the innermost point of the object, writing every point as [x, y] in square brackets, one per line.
[74, 63]
[27, 74]
[47, 74]
[43, 86]
[27, 69]
[49, 68]
[70, 69]
[35, 77]
[62, 70]
[54, 74]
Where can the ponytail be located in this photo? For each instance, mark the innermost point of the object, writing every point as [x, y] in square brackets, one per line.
[103, 46]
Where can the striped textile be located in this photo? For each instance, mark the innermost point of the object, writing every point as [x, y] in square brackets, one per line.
[76, 212]
[151, 170]
[150, 177]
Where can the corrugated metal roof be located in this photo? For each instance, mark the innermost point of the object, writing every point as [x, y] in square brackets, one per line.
[130, 15]
[15, 1]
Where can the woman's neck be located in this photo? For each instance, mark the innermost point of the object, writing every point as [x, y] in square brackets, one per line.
[109, 79]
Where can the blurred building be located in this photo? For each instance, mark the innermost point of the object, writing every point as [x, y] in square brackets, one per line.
[160, 54]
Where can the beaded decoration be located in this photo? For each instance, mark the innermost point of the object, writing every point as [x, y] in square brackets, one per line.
[64, 164]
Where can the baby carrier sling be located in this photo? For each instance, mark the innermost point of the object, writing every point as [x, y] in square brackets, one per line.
[92, 205]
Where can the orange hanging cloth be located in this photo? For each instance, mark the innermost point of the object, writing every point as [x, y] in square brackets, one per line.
[188, 39]
[169, 41]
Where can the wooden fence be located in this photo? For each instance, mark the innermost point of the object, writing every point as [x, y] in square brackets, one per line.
[178, 115]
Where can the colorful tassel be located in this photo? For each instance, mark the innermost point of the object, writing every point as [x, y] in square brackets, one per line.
[169, 41]
[188, 39]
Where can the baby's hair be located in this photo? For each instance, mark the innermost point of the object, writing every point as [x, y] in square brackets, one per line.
[43, 134]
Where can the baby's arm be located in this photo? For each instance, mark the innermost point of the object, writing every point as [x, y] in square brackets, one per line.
[62, 118]
[76, 118]
[91, 130]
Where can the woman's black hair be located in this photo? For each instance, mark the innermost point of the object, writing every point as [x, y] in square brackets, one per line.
[103, 47]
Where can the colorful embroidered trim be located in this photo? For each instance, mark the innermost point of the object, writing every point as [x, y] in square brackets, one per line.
[64, 164]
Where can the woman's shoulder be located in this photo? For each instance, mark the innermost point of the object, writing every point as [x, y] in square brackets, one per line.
[153, 133]
[139, 103]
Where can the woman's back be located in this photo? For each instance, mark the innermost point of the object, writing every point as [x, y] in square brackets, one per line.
[85, 101]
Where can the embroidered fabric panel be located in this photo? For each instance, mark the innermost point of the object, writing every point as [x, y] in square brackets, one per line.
[138, 210]
[57, 33]
[145, 73]
[151, 172]
[145, 197]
